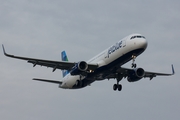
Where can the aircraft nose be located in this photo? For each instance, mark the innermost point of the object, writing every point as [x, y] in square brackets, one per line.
[143, 43]
[139, 42]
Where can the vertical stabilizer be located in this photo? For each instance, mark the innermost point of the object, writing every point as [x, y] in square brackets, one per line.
[64, 58]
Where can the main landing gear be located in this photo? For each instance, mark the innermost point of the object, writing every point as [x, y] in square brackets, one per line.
[117, 86]
[133, 63]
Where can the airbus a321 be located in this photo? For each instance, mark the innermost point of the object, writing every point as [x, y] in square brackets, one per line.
[105, 65]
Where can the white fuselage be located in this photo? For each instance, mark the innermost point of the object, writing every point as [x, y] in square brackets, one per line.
[132, 44]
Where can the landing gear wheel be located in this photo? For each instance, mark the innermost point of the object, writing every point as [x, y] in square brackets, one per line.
[133, 65]
[115, 86]
[119, 87]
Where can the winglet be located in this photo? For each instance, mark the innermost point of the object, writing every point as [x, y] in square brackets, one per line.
[8, 55]
[173, 72]
[3, 49]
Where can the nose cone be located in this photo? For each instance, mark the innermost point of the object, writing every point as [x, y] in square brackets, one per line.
[143, 43]
[137, 41]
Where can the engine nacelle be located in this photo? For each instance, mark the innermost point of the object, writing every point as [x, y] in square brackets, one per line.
[136, 75]
[79, 68]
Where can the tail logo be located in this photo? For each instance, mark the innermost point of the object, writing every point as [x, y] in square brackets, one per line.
[64, 58]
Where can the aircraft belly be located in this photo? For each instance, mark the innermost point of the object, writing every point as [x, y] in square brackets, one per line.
[102, 72]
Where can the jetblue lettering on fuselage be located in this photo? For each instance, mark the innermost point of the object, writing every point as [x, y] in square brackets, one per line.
[114, 48]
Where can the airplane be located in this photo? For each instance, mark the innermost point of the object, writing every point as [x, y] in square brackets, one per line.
[105, 65]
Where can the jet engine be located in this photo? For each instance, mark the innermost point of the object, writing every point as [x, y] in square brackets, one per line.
[79, 68]
[136, 75]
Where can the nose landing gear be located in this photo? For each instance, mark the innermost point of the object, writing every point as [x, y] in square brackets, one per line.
[133, 63]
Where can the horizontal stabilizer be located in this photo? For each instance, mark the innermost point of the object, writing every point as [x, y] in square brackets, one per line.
[50, 81]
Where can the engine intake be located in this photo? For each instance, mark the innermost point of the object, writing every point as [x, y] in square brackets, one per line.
[79, 68]
[136, 75]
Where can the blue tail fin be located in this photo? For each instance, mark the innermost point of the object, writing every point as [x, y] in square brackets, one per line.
[64, 58]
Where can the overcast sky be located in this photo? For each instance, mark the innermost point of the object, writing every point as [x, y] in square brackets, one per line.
[43, 28]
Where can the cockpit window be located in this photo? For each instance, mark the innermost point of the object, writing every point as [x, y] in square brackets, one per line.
[137, 37]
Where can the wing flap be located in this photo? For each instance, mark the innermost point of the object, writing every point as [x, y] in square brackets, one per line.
[154, 74]
[52, 64]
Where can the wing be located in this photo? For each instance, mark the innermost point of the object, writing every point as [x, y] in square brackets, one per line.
[154, 74]
[125, 72]
[63, 65]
